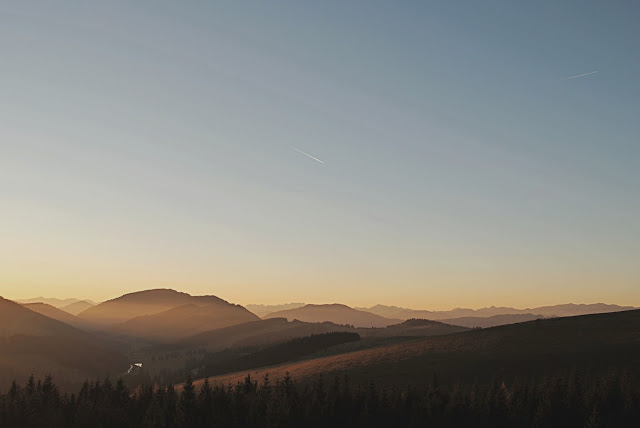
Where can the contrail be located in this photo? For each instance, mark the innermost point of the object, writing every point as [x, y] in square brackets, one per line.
[581, 75]
[306, 154]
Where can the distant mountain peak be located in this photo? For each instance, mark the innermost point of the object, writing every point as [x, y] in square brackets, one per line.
[154, 292]
[336, 313]
[163, 311]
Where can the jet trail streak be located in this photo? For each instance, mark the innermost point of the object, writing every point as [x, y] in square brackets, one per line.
[306, 154]
[580, 75]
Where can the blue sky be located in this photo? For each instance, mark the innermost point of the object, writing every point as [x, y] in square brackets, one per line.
[147, 144]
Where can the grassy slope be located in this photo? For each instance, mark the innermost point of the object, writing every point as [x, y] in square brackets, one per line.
[590, 342]
[224, 346]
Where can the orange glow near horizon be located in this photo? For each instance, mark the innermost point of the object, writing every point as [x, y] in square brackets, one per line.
[442, 291]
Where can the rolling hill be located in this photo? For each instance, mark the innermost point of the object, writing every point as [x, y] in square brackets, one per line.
[412, 328]
[571, 309]
[335, 313]
[596, 342]
[217, 350]
[258, 333]
[275, 330]
[151, 302]
[133, 305]
[262, 310]
[186, 320]
[493, 321]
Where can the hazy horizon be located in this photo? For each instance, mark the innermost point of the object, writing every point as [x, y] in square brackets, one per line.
[433, 307]
[418, 155]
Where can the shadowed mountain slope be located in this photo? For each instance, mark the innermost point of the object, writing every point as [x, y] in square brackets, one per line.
[572, 309]
[590, 342]
[15, 319]
[493, 321]
[54, 313]
[221, 350]
[33, 343]
[412, 328]
[186, 320]
[335, 313]
[275, 330]
[260, 332]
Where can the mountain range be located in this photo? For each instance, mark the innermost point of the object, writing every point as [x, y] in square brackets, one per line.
[171, 331]
[58, 303]
[341, 314]
[563, 310]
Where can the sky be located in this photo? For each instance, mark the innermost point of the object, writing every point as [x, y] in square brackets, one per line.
[162, 145]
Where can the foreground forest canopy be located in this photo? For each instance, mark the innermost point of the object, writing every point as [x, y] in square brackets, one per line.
[574, 400]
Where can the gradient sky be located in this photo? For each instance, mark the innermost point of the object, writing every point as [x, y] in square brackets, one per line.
[146, 144]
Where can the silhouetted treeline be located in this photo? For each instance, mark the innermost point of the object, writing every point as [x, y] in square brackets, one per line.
[571, 401]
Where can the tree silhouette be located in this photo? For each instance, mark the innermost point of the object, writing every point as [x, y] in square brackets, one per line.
[575, 400]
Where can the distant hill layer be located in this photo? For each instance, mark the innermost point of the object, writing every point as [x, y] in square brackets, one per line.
[257, 333]
[222, 349]
[564, 310]
[58, 303]
[76, 307]
[335, 313]
[412, 328]
[276, 330]
[152, 302]
[262, 310]
[54, 313]
[493, 321]
[589, 342]
[185, 320]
